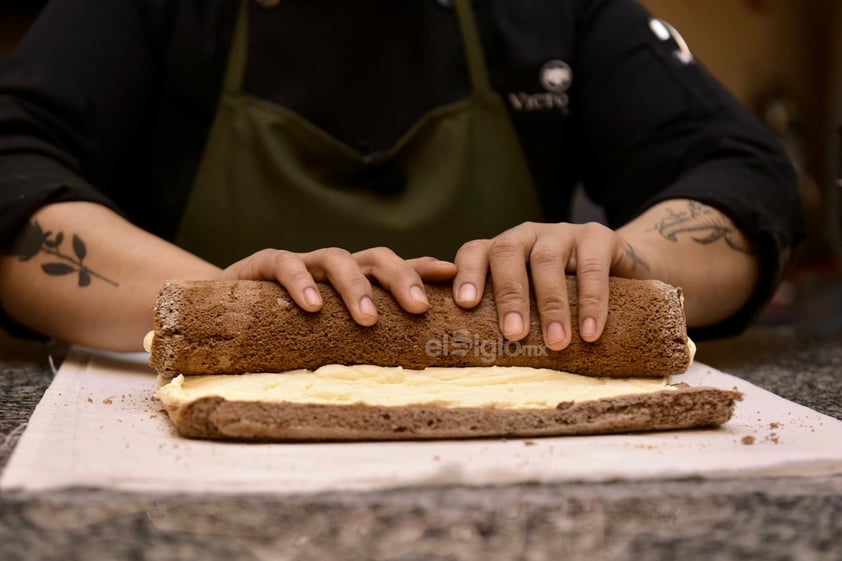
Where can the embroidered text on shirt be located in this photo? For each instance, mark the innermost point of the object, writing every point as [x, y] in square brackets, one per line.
[555, 77]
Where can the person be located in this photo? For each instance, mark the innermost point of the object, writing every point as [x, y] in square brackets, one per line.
[396, 142]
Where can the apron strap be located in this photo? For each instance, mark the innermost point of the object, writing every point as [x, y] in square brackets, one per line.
[236, 69]
[480, 82]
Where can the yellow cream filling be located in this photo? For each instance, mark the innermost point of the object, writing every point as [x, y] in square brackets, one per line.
[488, 387]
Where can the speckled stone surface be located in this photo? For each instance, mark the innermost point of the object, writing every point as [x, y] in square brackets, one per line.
[751, 518]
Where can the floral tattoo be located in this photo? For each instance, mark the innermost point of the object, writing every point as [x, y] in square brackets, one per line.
[33, 240]
[703, 224]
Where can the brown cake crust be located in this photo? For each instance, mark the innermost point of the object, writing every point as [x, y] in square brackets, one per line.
[216, 418]
[230, 327]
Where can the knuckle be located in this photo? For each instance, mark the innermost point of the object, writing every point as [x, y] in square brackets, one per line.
[357, 284]
[473, 246]
[299, 276]
[589, 299]
[383, 250]
[267, 253]
[544, 258]
[405, 276]
[555, 305]
[377, 259]
[504, 246]
[363, 255]
[334, 253]
[508, 293]
[379, 253]
[284, 259]
[593, 227]
[590, 266]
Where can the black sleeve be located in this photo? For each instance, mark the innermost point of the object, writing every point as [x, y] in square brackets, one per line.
[71, 97]
[657, 126]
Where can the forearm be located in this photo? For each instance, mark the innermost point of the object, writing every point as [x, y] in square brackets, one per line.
[694, 246]
[83, 274]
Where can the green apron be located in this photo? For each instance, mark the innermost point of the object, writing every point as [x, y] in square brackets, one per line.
[271, 179]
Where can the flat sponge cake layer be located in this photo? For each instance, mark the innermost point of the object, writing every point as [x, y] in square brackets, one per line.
[233, 327]
[300, 406]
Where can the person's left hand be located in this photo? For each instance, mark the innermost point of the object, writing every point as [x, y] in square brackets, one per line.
[349, 273]
[592, 251]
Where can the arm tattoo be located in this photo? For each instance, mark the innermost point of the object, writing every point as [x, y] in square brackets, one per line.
[636, 259]
[33, 240]
[702, 223]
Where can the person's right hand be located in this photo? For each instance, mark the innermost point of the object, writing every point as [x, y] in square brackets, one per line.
[544, 254]
[349, 273]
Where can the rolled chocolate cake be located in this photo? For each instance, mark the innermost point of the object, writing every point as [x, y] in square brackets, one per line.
[221, 417]
[231, 327]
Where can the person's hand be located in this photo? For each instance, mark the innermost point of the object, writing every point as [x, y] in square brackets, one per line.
[349, 273]
[550, 251]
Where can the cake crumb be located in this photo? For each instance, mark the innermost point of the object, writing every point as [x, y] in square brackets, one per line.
[747, 440]
[108, 400]
[529, 443]
[90, 400]
[774, 425]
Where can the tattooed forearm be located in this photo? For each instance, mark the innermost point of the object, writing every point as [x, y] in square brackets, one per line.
[702, 224]
[637, 260]
[33, 240]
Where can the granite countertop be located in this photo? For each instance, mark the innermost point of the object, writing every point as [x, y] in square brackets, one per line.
[748, 518]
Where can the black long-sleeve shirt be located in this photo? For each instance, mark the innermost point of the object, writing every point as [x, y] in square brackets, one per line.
[112, 102]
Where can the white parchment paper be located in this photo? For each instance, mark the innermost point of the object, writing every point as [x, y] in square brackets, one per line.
[99, 425]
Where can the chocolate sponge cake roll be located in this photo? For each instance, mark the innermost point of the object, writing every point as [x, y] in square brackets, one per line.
[232, 327]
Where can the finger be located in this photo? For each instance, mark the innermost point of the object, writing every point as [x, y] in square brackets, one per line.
[395, 275]
[507, 257]
[433, 270]
[595, 249]
[339, 267]
[286, 268]
[471, 271]
[547, 263]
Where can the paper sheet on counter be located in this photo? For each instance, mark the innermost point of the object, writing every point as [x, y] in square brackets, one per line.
[99, 425]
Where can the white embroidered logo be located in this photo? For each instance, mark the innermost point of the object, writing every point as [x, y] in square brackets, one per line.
[555, 77]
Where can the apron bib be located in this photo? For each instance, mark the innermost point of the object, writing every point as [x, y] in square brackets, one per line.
[271, 179]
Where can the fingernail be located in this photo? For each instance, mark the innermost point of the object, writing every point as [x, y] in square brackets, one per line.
[367, 306]
[512, 324]
[467, 292]
[311, 296]
[418, 294]
[555, 333]
[589, 328]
